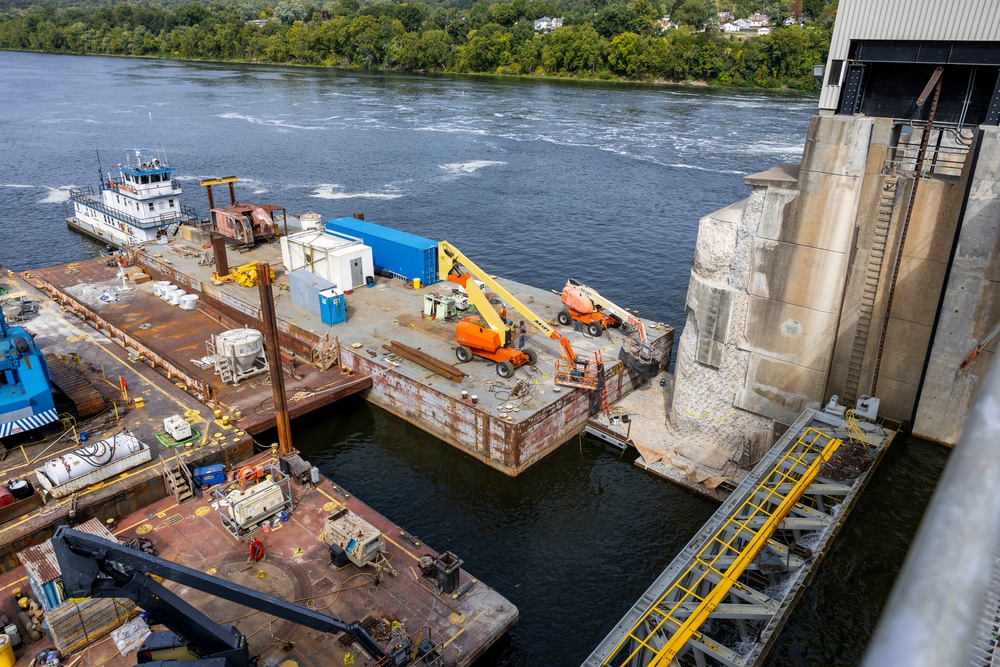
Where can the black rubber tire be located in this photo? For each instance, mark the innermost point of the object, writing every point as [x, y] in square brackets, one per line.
[564, 318]
[595, 329]
[505, 369]
[532, 356]
[463, 353]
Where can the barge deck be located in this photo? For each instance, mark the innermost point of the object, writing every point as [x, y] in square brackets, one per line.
[296, 566]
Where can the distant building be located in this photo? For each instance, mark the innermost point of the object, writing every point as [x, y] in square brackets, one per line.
[547, 24]
[665, 23]
[743, 24]
[725, 17]
[758, 20]
[790, 21]
[260, 23]
[764, 31]
[729, 27]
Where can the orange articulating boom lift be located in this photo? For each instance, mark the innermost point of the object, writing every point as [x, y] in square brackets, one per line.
[486, 335]
[585, 305]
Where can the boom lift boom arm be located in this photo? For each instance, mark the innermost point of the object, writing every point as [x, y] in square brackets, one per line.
[451, 263]
[94, 567]
[610, 307]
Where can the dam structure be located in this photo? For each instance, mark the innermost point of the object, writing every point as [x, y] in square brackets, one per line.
[870, 268]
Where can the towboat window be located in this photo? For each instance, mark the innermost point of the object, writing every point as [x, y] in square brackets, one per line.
[145, 179]
[8, 377]
[166, 177]
[171, 203]
[154, 178]
[150, 206]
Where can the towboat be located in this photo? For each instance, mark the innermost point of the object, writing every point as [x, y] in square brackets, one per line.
[143, 203]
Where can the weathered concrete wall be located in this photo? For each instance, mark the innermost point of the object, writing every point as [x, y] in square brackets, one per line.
[766, 291]
[792, 288]
[971, 307]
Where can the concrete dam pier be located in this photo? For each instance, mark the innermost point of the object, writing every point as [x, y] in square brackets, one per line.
[869, 269]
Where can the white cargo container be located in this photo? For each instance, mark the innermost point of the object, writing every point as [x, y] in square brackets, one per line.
[340, 259]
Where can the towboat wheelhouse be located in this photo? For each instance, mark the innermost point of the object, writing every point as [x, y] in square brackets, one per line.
[142, 204]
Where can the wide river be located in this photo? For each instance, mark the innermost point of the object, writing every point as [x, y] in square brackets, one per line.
[536, 181]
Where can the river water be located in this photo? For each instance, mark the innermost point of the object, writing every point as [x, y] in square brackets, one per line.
[537, 181]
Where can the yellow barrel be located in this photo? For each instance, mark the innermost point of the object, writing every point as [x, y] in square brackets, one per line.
[6, 651]
[416, 283]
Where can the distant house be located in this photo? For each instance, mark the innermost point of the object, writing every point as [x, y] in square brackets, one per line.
[758, 21]
[725, 17]
[665, 23]
[742, 23]
[729, 27]
[790, 21]
[260, 23]
[764, 31]
[547, 24]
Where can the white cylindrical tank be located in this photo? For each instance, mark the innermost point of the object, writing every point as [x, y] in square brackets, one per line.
[165, 290]
[92, 456]
[189, 302]
[243, 346]
[310, 220]
[159, 286]
[176, 296]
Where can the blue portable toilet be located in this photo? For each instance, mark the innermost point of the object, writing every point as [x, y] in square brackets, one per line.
[332, 308]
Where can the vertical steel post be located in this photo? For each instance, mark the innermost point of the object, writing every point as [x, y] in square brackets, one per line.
[232, 193]
[221, 260]
[211, 199]
[267, 315]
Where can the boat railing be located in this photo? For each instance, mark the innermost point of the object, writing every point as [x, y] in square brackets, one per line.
[946, 590]
[86, 197]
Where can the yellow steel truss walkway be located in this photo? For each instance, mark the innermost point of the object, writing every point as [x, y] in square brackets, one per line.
[726, 568]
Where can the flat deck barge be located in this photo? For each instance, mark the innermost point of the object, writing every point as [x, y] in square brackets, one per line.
[296, 566]
[725, 597]
[511, 424]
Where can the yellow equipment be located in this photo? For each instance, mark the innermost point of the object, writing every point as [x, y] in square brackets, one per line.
[246, 275]
[488, 336]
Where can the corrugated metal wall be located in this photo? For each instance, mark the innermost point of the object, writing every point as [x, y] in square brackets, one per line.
[945, 20]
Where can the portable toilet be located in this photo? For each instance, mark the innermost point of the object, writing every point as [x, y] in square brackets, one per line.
[332, 308]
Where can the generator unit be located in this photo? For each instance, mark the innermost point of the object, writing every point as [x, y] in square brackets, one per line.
[256, 503]
[359, 541]
[177, 427]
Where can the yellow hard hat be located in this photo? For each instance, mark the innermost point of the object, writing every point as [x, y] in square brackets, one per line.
[23, 603]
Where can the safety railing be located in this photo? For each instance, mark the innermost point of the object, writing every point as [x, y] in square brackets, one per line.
[938, 598]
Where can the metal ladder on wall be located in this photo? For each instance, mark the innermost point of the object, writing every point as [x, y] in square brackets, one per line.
[661, 634]
[223, 365]
[873, 274]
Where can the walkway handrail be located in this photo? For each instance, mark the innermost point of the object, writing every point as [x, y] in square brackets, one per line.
[934, 608]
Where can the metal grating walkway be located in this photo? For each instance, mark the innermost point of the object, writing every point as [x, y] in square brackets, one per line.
[724, 597]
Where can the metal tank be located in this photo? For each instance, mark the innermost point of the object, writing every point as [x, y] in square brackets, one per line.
[90, 458]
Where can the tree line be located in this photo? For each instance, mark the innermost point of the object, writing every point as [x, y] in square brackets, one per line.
[611, 41]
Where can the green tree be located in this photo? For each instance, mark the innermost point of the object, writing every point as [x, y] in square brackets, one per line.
[435, 49]
[698, 14]
[623, 55]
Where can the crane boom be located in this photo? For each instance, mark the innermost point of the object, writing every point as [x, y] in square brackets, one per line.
[95, 567]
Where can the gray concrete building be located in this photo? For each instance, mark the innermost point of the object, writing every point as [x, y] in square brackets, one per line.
[870, 268]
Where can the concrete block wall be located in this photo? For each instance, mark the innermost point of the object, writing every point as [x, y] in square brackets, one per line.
[971, 308]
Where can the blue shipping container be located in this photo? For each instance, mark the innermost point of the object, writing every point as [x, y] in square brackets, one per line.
[398, 253]
[332, 307]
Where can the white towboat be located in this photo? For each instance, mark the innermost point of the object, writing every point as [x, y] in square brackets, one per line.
[142, 204]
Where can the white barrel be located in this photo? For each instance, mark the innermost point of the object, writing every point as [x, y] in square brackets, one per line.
[188, 302]
[158, 287]
[165, 290]
[310, 220]
[175, 297]
[92, 456]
